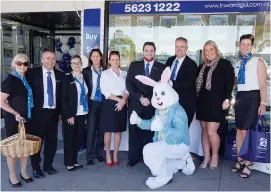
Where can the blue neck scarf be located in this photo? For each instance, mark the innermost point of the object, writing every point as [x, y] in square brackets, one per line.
[242, 70]
[30, 102]
[98, 94]
[83, 98]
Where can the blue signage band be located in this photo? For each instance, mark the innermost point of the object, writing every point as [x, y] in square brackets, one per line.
[189, 7]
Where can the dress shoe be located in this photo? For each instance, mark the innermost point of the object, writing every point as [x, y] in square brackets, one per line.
[116, 163]
[131, 164]
[28, 180]
[109, 164]
[100, 159]
[70, 168]
[19, 184]
[50, 171]
[90, 163]
[38, 173]
[78, 166]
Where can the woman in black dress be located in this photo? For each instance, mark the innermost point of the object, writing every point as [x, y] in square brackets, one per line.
[16, 102]
[114, 107]
[214, 87]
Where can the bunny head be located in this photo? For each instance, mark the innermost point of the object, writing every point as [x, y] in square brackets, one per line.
[164, 95]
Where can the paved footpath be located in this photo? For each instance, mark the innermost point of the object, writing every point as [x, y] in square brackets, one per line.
[121, 178]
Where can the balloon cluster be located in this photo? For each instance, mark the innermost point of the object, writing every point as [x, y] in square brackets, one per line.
[66, 47]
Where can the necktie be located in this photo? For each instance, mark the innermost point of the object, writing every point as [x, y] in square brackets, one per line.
[50, 90]
[147, 70]
[173, 74]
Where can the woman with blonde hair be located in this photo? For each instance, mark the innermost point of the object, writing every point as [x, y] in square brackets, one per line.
[16, 102]
[214, 86]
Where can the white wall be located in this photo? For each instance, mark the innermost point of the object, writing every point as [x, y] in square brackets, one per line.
[8, 6]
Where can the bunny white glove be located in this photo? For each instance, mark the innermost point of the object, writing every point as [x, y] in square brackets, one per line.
[157, 124]
[135, 119]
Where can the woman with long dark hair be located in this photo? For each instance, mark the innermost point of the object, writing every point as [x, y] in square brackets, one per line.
[92, 75]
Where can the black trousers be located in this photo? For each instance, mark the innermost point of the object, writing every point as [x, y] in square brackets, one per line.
[73, 137]
[190, 111]
[95, 138]
[139, 138]
[44, 124]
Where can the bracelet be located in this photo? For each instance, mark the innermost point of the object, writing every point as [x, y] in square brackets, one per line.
[263, 103]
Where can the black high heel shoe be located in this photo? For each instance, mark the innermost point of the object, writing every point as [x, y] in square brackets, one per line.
[28, 180]
[19, 184]
[71, 169]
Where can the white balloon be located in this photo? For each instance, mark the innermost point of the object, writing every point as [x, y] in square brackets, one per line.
[73, 52]
[65, 48]
[77, 39]
[77, 46]
[59, 56]
[78, 50]
[64, 39]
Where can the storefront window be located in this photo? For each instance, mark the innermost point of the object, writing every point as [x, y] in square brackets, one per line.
[133, 23]
[129, 31]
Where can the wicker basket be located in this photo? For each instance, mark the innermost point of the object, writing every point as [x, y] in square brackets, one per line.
[20, 144]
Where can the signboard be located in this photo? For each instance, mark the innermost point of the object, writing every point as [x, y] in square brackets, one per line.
[189, 7]
[91, 30]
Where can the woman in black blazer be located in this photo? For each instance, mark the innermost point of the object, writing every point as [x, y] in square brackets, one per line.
[214, 87]
[92, 75]
[74, 111]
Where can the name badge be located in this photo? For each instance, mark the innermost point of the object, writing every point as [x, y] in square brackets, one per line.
[72, 83]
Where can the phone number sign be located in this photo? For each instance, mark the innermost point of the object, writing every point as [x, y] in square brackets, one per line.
[145, 7]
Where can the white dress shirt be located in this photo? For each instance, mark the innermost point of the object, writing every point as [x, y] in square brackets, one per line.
[80, 108]
[112, 84]
[178, 65]
[150, 66]
[44, 75]
[94, 83]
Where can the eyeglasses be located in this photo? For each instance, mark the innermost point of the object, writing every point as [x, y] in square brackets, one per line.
[19, 63]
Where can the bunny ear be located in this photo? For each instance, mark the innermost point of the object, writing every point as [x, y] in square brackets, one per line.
[165, 75]
[146, 80]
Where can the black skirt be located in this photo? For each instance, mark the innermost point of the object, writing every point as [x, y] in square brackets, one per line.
[246, 109]
[111, 120]
[209, 106]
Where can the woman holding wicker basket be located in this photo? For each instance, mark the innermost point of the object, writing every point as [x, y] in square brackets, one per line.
[16, 101]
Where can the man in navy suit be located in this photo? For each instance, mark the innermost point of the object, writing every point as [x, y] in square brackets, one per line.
[45, 83]
[139, 100]
[184, 75]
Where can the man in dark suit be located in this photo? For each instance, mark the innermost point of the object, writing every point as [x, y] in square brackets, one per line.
[183, 76]
[139, 100]
[45, 83]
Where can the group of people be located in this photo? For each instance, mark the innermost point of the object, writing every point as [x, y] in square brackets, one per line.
[99, 97]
